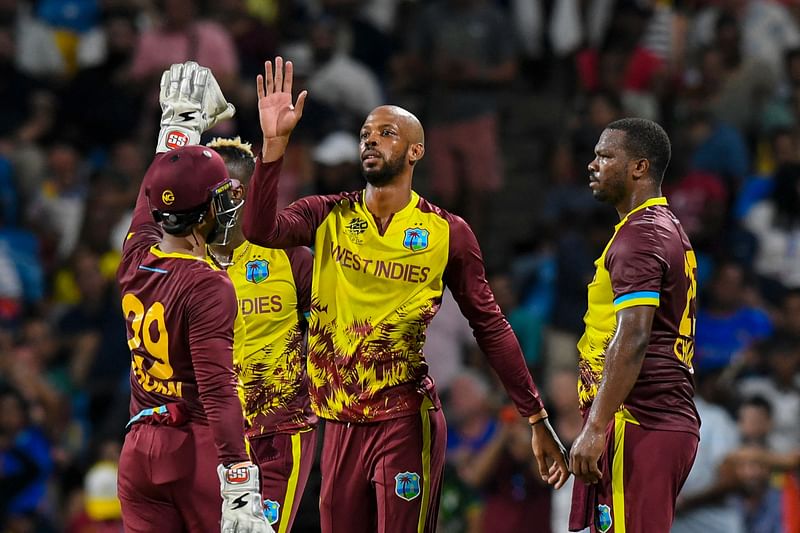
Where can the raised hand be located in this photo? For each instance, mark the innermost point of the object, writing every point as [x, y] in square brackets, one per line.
[276, 113]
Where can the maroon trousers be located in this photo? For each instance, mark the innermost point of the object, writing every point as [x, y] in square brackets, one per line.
[167, 479]
[285, 461]
[383, 476]
[643, 472]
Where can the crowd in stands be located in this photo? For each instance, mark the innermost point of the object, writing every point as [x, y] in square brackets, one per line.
[511, 93]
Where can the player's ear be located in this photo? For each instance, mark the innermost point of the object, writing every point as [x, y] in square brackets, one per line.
[415, 152]
[640, 168]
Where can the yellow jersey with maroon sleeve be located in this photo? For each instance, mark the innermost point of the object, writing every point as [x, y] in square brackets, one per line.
[375, 291]
[648, 261]
[273, 290]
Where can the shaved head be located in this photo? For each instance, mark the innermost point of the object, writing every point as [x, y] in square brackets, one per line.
[409, 124]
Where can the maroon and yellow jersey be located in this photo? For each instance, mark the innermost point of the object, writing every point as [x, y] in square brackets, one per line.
[375, 292]
[274, 292]
[180, 313]
[648, 261]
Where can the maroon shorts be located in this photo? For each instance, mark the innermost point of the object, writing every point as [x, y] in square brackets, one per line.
[384, 476]
[643, 472]
[167, 479]
[285, 461]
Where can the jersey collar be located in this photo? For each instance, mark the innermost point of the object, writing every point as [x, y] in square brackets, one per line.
[399, 215]
[658, 200]
[177, 255]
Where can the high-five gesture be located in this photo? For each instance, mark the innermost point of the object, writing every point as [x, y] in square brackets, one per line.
[277, 115]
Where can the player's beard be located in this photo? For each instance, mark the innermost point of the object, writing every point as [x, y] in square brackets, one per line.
[384, 174]
[612, 191]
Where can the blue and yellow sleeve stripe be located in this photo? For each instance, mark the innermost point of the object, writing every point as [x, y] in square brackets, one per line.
[636, 298]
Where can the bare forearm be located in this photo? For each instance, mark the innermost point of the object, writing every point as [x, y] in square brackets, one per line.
[623, 363]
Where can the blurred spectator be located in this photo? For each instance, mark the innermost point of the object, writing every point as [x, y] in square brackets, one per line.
[601, 108]
[22, 282]
[367, 42]
[58, 208]
[181, 36]
[448, 341]
[775, 222]
[578, 245]
[471, 422]
[337, 164]
[526, 325]
[781, 388]
[101, 106]
[762, 503]
[100, 511]
[568, 194]
[460, 506]
[780, 112]
[515, 497]
[36, 52]
[699, 199]
[784, 149]
[340, 81]
[254, 38]
[25, 462]
[736, 88]
[621, 64]
[727, 325]
[23, 103]
[72, 22]
[717, 148]
[790, 315]
[768, 29]
[755, 421]
[706, 503]
[94, 332]
[463, 53]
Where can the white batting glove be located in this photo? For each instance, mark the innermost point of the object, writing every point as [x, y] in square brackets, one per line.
[191, 102]
[242, 509]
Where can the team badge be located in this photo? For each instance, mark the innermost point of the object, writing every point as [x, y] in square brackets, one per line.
[257, 270]
[603, 520]
[272, 511]
[406, 485]
[167, 197]
[416, 239]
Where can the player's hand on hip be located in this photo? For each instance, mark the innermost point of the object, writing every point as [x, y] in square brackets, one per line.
[242, 509]
[277, 114]
[191, 103]
[551, 457]
[585, 454]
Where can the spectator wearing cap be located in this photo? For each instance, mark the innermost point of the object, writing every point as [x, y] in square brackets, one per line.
[336, 161]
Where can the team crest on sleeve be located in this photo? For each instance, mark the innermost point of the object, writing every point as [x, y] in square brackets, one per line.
[416, 239]
[257, 270]
[406, 485]
[603, 519]
[272, 511]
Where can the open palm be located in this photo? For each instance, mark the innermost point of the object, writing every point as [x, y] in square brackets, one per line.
[277, 115]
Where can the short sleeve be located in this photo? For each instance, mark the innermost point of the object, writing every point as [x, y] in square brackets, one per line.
[636, 264]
